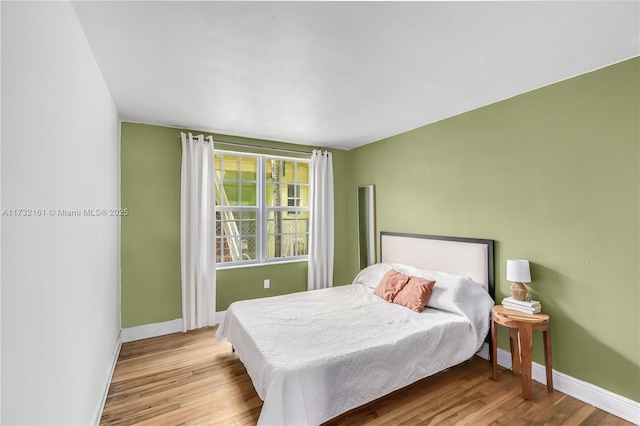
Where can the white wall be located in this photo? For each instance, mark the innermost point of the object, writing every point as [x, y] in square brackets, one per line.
[60, 275]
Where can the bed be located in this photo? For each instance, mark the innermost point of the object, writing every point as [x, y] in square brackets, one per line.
[314, 355]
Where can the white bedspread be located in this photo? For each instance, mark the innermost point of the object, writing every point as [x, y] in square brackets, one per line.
[314, 355]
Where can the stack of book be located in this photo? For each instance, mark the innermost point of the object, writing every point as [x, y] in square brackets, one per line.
[528, 306]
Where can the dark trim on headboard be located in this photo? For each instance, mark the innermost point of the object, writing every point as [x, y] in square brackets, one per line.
[490, 258]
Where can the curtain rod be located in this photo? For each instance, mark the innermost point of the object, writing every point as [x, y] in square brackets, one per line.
[246, 145]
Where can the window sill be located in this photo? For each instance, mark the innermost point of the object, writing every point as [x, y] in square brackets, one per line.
[251, 265]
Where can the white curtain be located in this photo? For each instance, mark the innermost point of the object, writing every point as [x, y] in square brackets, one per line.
[321, 221]
[197, 233]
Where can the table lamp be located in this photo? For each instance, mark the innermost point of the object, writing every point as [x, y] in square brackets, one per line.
[518, 272]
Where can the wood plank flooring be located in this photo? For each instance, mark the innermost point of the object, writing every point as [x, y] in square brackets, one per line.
[190, 379]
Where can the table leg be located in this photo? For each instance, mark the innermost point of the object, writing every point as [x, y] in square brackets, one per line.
[515, 351]
[525, 332]
[546, 334]
[494, 349]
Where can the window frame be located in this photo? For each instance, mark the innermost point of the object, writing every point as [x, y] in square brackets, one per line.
[262, 210]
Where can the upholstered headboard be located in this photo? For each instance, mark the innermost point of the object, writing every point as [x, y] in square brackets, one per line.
[471, 257]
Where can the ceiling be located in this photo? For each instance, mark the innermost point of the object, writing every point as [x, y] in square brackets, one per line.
[342, 74]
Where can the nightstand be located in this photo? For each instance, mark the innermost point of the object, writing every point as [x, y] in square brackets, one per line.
[521, 327]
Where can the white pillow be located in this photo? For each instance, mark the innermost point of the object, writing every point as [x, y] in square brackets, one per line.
[444, 281]
[372, 274]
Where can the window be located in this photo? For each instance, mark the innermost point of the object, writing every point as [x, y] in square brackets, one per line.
[262, 208]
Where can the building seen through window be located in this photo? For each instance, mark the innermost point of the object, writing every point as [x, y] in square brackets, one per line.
[262, 208]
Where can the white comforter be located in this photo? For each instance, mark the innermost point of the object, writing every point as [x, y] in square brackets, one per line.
[314, 355]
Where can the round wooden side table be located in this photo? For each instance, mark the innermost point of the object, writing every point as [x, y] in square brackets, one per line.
[521, 327]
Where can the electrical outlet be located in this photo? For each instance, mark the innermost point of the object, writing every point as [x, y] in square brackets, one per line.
[266, 284]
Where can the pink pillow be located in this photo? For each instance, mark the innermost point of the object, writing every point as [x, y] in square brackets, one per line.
[415, 294]
[390, 284]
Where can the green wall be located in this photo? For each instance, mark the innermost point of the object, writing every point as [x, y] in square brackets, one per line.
[151, 161]
[551, 176]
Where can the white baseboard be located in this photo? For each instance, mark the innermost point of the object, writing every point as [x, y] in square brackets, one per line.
[148, 331]
[97, 412]
[615, 404]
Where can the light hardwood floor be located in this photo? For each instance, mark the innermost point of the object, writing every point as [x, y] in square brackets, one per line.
[190, 379]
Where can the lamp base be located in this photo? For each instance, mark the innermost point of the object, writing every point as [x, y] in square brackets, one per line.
[519, 291]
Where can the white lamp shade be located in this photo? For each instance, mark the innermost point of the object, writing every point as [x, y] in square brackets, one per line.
[518, 271]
